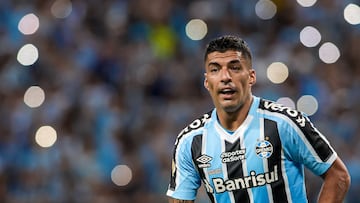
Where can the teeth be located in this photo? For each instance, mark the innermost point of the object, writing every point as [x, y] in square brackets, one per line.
[227, 91]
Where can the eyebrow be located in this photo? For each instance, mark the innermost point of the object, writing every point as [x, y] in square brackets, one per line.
[230, 62]
[234, 61]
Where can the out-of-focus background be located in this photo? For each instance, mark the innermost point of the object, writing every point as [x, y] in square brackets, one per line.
[93, 93]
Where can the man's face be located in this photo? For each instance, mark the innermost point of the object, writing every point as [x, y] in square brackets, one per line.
[228, 78]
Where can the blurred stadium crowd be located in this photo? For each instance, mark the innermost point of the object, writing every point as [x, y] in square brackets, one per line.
[122, 78]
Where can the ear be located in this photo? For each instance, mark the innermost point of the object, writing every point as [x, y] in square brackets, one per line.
[252, 77]
[206, 84]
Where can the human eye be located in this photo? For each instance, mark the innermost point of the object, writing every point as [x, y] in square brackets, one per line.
[213, 69]
[235, 68]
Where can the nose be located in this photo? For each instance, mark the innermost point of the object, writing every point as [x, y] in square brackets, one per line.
[225, 75]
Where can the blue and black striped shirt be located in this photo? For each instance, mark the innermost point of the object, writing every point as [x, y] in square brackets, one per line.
[262, 161]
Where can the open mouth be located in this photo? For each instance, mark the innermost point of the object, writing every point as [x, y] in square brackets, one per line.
[227, 91]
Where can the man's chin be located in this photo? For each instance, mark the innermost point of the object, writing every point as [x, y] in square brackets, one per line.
[230, 108]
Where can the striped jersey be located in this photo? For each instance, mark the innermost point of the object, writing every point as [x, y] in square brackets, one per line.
[262, 161]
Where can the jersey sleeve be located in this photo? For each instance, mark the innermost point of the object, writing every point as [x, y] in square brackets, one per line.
[185, 180]
[306, 145]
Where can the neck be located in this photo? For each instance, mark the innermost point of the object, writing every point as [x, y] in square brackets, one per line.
[232, 120]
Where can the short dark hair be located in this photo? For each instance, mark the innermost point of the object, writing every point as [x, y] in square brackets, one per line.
[228, 42]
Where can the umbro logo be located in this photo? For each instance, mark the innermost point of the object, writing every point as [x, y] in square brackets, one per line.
[203, 161]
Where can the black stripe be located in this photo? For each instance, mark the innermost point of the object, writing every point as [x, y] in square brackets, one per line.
[320, 146]
[196, 148]
[173, 173]
[196, 124]
[271, 134]
[235, 170]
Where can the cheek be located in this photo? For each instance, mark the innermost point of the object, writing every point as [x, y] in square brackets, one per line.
[246, 80]
[243, 84]
[211, 89]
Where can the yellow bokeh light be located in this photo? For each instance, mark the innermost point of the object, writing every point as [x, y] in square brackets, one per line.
[196, 29]
[46, 136]
[277, 72]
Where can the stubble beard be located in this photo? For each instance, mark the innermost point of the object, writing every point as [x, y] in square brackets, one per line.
[236, 107]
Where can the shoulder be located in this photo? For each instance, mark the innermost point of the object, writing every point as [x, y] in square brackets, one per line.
[196, 124]
[185, 138]
[195, 127]
[285, 113]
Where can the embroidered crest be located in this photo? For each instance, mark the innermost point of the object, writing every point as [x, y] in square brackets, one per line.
[264, 149]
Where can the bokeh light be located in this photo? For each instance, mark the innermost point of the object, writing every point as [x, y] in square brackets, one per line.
[27, 55]
[310, 36]
[286, 101]
[352, 14]
[121, 175]
[277, 72]
[61, 8]
[34, 96]
[265, 9]
[46, 136]
[329, 53]
[28, 24]
[307, 104]
[306, 3]
[71, 97]
[196, 29]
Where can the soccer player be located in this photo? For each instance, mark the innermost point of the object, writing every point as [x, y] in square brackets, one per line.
[248, 149]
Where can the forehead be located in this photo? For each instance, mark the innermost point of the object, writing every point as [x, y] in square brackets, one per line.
[224, 57]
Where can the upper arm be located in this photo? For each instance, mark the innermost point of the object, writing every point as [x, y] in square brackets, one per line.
[337, 173]
[336, 183]
[185, 179]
